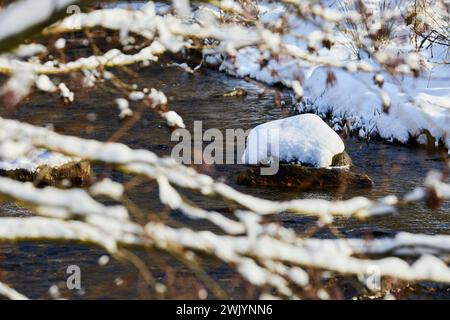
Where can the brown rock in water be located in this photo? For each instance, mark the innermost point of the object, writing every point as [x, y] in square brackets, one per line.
[301, 177]
[341, 160]
[75, 173]
[236, 92]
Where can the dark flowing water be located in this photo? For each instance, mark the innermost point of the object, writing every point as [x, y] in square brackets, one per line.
[33, 268]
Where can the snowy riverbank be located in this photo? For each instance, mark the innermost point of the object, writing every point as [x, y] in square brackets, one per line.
[419, 107]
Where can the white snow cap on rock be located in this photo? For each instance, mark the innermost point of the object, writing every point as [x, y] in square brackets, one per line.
[32, 160]
[305, 138]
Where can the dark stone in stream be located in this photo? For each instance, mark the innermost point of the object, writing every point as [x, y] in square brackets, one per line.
[75, 173]
[297, 176]
[236, 92]
[341, 160]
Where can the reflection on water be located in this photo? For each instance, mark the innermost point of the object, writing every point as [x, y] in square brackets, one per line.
[33, 268]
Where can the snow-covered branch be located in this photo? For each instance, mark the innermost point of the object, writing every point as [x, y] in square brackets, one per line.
[24, 18]
[322, 254]
[10, 293]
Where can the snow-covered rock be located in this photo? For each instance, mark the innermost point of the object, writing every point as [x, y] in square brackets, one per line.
[304, 139]
[43, 167]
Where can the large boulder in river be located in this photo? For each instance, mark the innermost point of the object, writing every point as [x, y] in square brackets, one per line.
[310, 154]
[305, 178]
[304, 139]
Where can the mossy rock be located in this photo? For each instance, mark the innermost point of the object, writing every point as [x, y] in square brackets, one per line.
[341, 160]
[75, 173]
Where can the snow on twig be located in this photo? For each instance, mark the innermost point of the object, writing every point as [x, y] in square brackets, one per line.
[10, 293]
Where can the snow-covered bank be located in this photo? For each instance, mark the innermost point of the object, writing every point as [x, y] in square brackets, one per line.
[400, 107]
[355, 103]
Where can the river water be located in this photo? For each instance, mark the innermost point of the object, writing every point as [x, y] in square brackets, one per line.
[34, 268]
